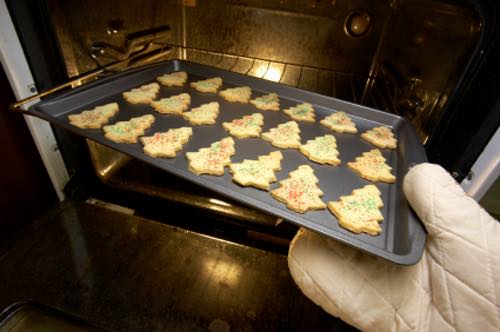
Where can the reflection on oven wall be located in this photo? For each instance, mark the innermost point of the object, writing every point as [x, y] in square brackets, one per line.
[404, 56]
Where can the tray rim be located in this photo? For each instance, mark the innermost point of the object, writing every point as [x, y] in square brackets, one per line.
[419, 234]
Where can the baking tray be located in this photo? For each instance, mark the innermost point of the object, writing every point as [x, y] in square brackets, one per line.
[402, 238]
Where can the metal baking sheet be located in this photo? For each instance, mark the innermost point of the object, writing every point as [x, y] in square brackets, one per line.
[402, 238]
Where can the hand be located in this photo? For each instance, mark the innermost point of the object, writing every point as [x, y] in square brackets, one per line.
[455, 286]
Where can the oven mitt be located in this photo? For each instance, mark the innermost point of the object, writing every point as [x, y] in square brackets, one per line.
[454, 287]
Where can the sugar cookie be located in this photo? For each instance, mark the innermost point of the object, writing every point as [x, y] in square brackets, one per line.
[381, 137]
[247, 126]
[172, 105]
[142, 95]
[204, 115]
[213, 159]
[94, 118]
[339, 122]
[128, 131]
[257, 173]
[300, 191]
[372, 166]
[301, 112]
[208, 85]
[166, 144]
[322, 150]
[269, 102]
[237, 95]
[177, 78]
[360, 211]
[285, 135]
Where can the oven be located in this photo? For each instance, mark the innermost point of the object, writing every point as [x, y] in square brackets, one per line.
[433, 62]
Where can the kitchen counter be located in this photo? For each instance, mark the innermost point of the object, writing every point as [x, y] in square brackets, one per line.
[126, 273]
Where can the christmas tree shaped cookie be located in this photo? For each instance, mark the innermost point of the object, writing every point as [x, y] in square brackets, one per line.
[339, 122]
[203, 115]
[128, 131]
[272, 160]
[213, 159]
[381, 137]
[95, 118]
[372, 166]
[285, 135]
[247, 126]
[177, 78]
[301, 112]
[299, 191]
[166, 145]
[322, 150]
[257, 173]
[359, 212]
[143, 94]
[237, 95]
[208, 85]
[269, 102]
[172, 105]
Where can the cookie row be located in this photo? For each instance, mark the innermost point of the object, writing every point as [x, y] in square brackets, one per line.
[285, 135]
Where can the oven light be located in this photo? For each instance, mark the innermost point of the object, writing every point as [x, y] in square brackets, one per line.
[269, 71]
[273, 74]
[260, 69]
[218, 202]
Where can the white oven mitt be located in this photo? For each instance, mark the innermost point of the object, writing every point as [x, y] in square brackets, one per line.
[454, 287]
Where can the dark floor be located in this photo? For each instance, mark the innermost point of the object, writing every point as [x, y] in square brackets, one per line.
[125, 273]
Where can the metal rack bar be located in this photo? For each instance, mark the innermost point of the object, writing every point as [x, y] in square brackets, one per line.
[253, 64]
[374, 68]
[389, 94]
[17, 105]
[221, 57]
[374, 101]
[283, 73]
[376, 91]
[267, 69]
[235, 63]
[232, 55]
[300, 76]
[353, 90]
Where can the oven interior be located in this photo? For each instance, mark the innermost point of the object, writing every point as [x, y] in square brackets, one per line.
[406, 57]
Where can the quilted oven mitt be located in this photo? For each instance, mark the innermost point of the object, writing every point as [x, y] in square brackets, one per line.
[454, 287]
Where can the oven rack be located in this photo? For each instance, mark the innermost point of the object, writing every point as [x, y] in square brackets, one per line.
[322, 80]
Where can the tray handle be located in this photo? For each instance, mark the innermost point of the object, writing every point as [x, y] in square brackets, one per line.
[16, 107]
[135, 60]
